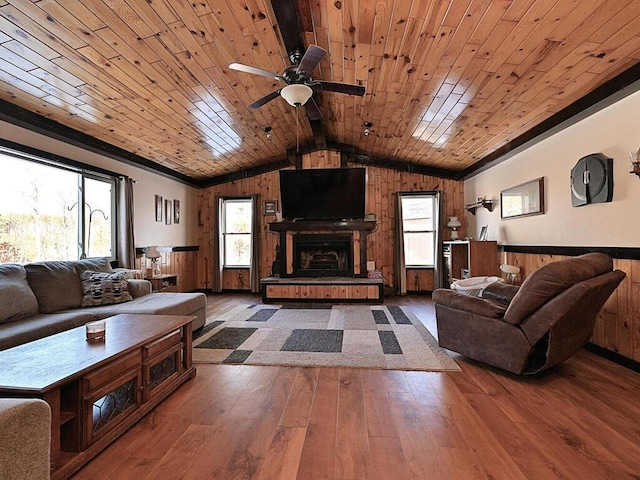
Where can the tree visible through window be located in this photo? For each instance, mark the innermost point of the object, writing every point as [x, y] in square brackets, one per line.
[419, 229]
[237, 220]
[51, 213]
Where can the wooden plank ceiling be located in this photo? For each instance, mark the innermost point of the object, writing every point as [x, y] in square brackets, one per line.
[447, 82]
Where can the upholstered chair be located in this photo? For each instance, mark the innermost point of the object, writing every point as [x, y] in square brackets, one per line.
[530, 328]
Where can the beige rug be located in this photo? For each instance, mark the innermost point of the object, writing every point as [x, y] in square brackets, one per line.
[360, 336]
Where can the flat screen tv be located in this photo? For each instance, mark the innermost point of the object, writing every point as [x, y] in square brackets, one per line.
[323, 193]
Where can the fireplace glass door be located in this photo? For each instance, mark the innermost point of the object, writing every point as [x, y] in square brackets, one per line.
[323, 255]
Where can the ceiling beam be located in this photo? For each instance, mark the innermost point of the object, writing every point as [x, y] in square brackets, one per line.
[292, 22]
[246, 173]
[287, 17]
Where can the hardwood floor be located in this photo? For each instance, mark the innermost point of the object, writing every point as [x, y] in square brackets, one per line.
[580, 420]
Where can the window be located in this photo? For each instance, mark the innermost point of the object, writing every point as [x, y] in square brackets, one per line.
[237, 217]
[54, 213]
[419, 229]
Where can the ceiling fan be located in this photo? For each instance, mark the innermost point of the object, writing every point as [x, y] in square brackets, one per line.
[299, 82]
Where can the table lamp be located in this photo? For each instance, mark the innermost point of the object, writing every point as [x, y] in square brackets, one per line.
[454, 224]
[153, 254]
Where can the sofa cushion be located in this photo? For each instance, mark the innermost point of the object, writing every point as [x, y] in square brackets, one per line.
[101, 288]
[94, 264]
[17, 300]
[56, 284]
[41, 325]
[157, 303]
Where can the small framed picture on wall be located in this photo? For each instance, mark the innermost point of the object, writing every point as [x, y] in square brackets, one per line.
[176, 211]
[158, 208]
[270, 207]
[167, 212]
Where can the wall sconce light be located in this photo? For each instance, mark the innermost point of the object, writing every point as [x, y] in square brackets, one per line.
[367, 128]
[635, 162]
[267, 132]
[454, 224]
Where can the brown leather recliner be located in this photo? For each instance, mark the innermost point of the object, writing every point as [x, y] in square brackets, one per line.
[529, 328]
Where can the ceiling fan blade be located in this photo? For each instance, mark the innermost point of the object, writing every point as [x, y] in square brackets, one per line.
[313, 111]
[312, 57]
[267, 98]
[347, 88]
[256, 71]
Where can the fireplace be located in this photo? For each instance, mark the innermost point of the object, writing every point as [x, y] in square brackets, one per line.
[322, 255]
[350, 239]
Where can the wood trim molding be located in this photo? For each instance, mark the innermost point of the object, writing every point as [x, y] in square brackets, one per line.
[606, 94]
[613, 356]
[629, 253]
[186, 248]
[23, 118]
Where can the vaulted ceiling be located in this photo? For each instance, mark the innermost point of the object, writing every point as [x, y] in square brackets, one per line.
[448, 82]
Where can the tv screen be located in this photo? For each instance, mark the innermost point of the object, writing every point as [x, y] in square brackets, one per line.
[323, 193]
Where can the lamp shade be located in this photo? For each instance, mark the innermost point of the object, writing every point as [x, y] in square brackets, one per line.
[152, 252]
[454, 222]
[296, 94]
[510, 269]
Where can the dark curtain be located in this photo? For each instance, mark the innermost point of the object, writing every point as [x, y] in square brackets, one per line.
[400, 265]
[437, 273]
[125, 244]
[254, 274]
[218, 261]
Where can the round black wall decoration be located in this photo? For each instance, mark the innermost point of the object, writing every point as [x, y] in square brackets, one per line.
[592, 180]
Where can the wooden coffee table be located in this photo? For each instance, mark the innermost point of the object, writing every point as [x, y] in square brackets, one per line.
[98, 390]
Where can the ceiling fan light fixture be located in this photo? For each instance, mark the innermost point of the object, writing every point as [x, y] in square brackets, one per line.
[296, 94]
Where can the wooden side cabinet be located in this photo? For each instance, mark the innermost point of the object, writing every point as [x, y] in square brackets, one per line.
[164, 283]
[470, 258]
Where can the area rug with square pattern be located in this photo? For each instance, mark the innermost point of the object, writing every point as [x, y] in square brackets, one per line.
[362, 336]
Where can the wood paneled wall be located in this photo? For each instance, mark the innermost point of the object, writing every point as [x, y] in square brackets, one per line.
[618, 326]
[382, 184]
[177, 263]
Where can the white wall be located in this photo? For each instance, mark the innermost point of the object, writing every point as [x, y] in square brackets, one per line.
[613, 131]
[147, 230]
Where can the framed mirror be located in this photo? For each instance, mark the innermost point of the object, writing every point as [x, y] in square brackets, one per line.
[523, 200]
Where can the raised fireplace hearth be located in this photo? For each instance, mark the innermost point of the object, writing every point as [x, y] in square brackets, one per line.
[322, 255]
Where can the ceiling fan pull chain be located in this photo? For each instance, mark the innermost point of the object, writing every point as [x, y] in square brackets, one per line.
[297, 133]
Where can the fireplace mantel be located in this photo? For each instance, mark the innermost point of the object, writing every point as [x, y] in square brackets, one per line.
[359, 229]
[322, 226]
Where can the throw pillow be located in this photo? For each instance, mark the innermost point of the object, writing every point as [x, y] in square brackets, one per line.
[17, 300]
[101, 288]
[56, 285]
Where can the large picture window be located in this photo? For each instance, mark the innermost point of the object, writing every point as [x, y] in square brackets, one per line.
[236, 231]
[50, 212]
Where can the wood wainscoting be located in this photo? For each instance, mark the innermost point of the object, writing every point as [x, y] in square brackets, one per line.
[179, 261]
[617, 328]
